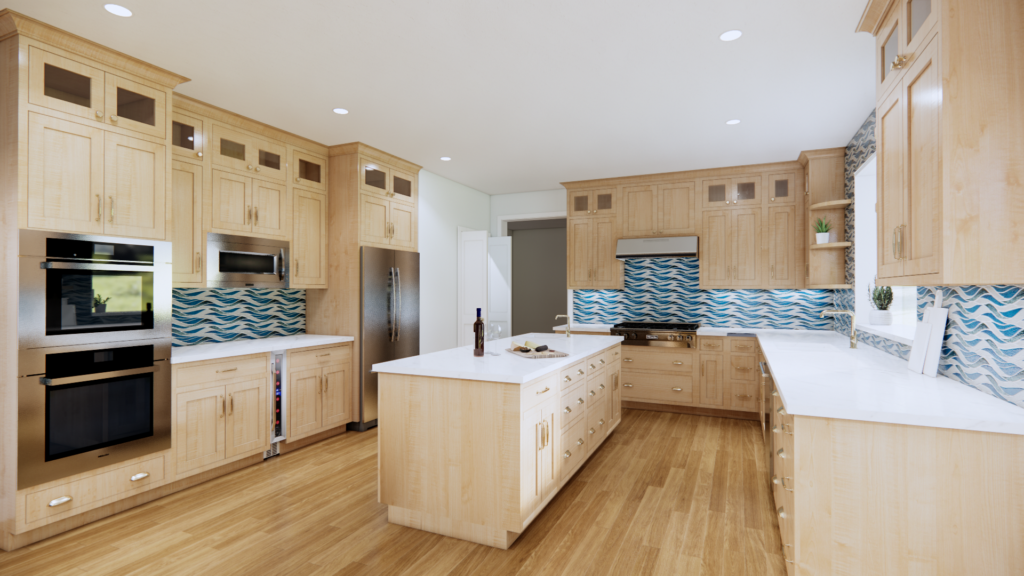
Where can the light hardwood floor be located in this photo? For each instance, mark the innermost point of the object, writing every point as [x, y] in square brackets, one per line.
[666, 494]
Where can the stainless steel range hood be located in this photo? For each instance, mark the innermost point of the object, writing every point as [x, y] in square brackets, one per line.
[671, 247]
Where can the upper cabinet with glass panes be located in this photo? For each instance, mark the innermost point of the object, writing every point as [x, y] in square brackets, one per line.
[782, 188]
[377, 177]
[245, 152]
[77, 89]
[902, 36]
[187, 136]
[731, 192]
[308, 170]
[600, 202]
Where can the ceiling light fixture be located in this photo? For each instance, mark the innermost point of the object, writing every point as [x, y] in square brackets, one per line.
[340, 111]
[118, 10]
[732, 122]
[730, 35]
[445, 159]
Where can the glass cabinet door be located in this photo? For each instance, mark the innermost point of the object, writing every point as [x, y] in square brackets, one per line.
[271, 158]
[716, 193]
[604, 201]
[403, 187]
[746, 191]
[580, 203]
[65, 85]
[889, 46]
[232, 149]
[136, 106]
[186, 136]
[374, 177]
[309, 171]
[920, 18]
[782, 188]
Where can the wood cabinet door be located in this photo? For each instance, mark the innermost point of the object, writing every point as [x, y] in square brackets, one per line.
[232, 148]
[889, 43]
[640, 211]
[604, 201]
[231, 203]
[199, 428]
[65, 85]
[309, 247]
[135, 182]
[403, 225]
[309, 171]
[247, 421]
[607, 271]
[135, 106]
[745, 234]
[920, 241]
[403, 187]
[580, 203]
[337, 390]
[549, 456]
[716, 193]
[782, 247]
[270, 159]
[65, 176]
[374, 227]
[271, 209]
[531, 473]
[305, 402]
[580, 250]
[889, 155]
[714, 249]
[187, 136]
[712, 380]
[187, 223]
[615, 375]
[374, 177]
[676, 209]
[782, 188]
[746, 191]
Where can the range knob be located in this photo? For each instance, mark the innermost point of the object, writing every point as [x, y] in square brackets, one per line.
[632, 335]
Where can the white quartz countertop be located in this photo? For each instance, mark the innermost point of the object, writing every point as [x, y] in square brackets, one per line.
[727, 330]
[817, 374]
[587, 327]
[183, 354]
[460, 364]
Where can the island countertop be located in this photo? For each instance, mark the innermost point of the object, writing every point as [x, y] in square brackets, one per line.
[460, 364]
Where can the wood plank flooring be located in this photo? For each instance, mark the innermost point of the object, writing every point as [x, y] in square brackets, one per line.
[666, 494]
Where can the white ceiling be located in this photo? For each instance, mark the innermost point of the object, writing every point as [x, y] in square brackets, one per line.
[522, 94]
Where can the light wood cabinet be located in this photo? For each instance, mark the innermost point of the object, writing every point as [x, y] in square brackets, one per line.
[248, 153]
[712, 380]
[640, 211]
[199, 429]
[188, 139]
[66, 85]
[599, 202]
[386, 223]
[319, 390]
[783, 247]
[247, 420]
[732, 192]
[382, 179]
[187, 218]
[305, 402]
[309, 246]
[731, 249]
[659, 210]
[591, 261]
[309, 171]
[541, 459]
[250, 206]
[782, 188]
[135, 182]
[135, 106]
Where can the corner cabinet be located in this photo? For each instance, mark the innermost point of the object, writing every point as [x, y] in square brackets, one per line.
[949, 141]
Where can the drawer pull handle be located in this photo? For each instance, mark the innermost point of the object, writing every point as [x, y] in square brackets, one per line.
[139, 476]
[322, 355]
[788, 489]
[59, 501]
[228, 370]
[775, 392]
[627, 359]
[568, 410]
[579, 372]
[782, 453]
[567, 379]
[744, 396]
[592, 393]
[784, 554]
[601, 386]
[579, 442]
[592, 367]
[601, 362]
[775, 429]
[591, 430]
[782, 513]
[579, 400]
[546, 389]
[567, 454]
[745, 369]
[744, 347]
[627, 385]
[790, 431]
[677, 363]
[781, 411]
[677, 389]
[616, 354]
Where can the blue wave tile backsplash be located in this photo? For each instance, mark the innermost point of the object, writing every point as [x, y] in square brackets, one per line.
[205, 315]
[667, 290]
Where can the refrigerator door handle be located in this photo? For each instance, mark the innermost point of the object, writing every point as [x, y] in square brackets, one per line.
[398, 304]
[392, 317]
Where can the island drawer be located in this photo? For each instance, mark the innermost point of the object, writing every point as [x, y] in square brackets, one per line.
[219, 370]
[539, 390]
[573, 406]
[596, 363]
[318, 357]
[597, 386]
[598, 423]
[741, 345]
[574, 448]
[743, 368]
[712, 343]
[572, 375]
[657, 388]
[679, 360]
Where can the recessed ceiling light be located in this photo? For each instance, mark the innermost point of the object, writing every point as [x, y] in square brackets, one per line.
[732, 122]
[340, 111]
[730, 35]
[118, 10]
[445, 158]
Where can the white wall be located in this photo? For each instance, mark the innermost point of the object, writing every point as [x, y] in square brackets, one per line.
[525, 203]
[444, 205]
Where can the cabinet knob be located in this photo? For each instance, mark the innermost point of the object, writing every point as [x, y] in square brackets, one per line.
[99, 113]
[601, 362]
[788, 489]
[592, 367]
[567, 454]
[579, 442]
[591, 430]
[899, 63]
[257, 168]
[567, 379]
[775, 480]
[579, 400]
[782, 453]
[113, 118]
[627, 359]
[592, 393]
[601, 386]
[200, 154]
[773, 199]
[782, 513]
[579, 372]
[567, 410]
[600, 422]
[296, 180]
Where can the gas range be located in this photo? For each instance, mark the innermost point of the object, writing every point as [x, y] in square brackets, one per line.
[667, 334]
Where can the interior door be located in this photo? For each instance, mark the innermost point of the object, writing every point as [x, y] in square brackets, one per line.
[305, 402]
[199, 428]
[374, 227]
[676, 209]
[65, 85]
[745, 234]
[65, 176]
[403, 224]
[309, 247]
[782, 241]
[714, 249]
[187, 219]
[135, 181]
[580, 257]
[889, 155]
[247, 421]
[232, 203]
[641, 211]
[271, 209]
[922, 97]
[607, 270]
[337, 385]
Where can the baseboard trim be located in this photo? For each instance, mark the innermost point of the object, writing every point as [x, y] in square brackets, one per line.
[286, 446]
[693, 410]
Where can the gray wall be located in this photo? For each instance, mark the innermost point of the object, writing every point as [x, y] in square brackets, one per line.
[538, 279]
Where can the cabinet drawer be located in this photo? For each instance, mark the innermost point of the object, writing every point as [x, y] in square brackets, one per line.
[539, 390]
[598, 423]
[613, 354]
[741, 345]
[200, 373]
[712, 343]
[658, 359]
[574, 447]
[598, 387]
[573, 406]
[573, 375]
[657, 388]
[596, 363]
[743, 395]
[318, 357]
[743, 368]
[82, 493]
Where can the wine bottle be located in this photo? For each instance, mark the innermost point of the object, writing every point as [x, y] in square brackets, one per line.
[478, 335]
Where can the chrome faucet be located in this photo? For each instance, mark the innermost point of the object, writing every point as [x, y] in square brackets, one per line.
[568, 326]
[853, 323]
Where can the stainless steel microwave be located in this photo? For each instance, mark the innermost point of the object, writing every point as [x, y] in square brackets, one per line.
[240, 261]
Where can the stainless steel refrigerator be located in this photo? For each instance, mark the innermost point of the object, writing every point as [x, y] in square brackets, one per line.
[389, 323]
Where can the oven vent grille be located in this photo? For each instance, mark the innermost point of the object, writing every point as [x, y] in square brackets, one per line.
[275, 449]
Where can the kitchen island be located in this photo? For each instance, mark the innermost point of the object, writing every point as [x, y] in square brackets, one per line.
[475, 447]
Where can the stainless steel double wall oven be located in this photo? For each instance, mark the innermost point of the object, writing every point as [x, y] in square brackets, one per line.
[94, 338]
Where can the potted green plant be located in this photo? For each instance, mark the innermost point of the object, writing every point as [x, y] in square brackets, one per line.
[822, 229]
[99, 303]
[880, 298]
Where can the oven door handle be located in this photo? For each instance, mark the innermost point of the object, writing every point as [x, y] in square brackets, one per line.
[146, 267]
[101, 376]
